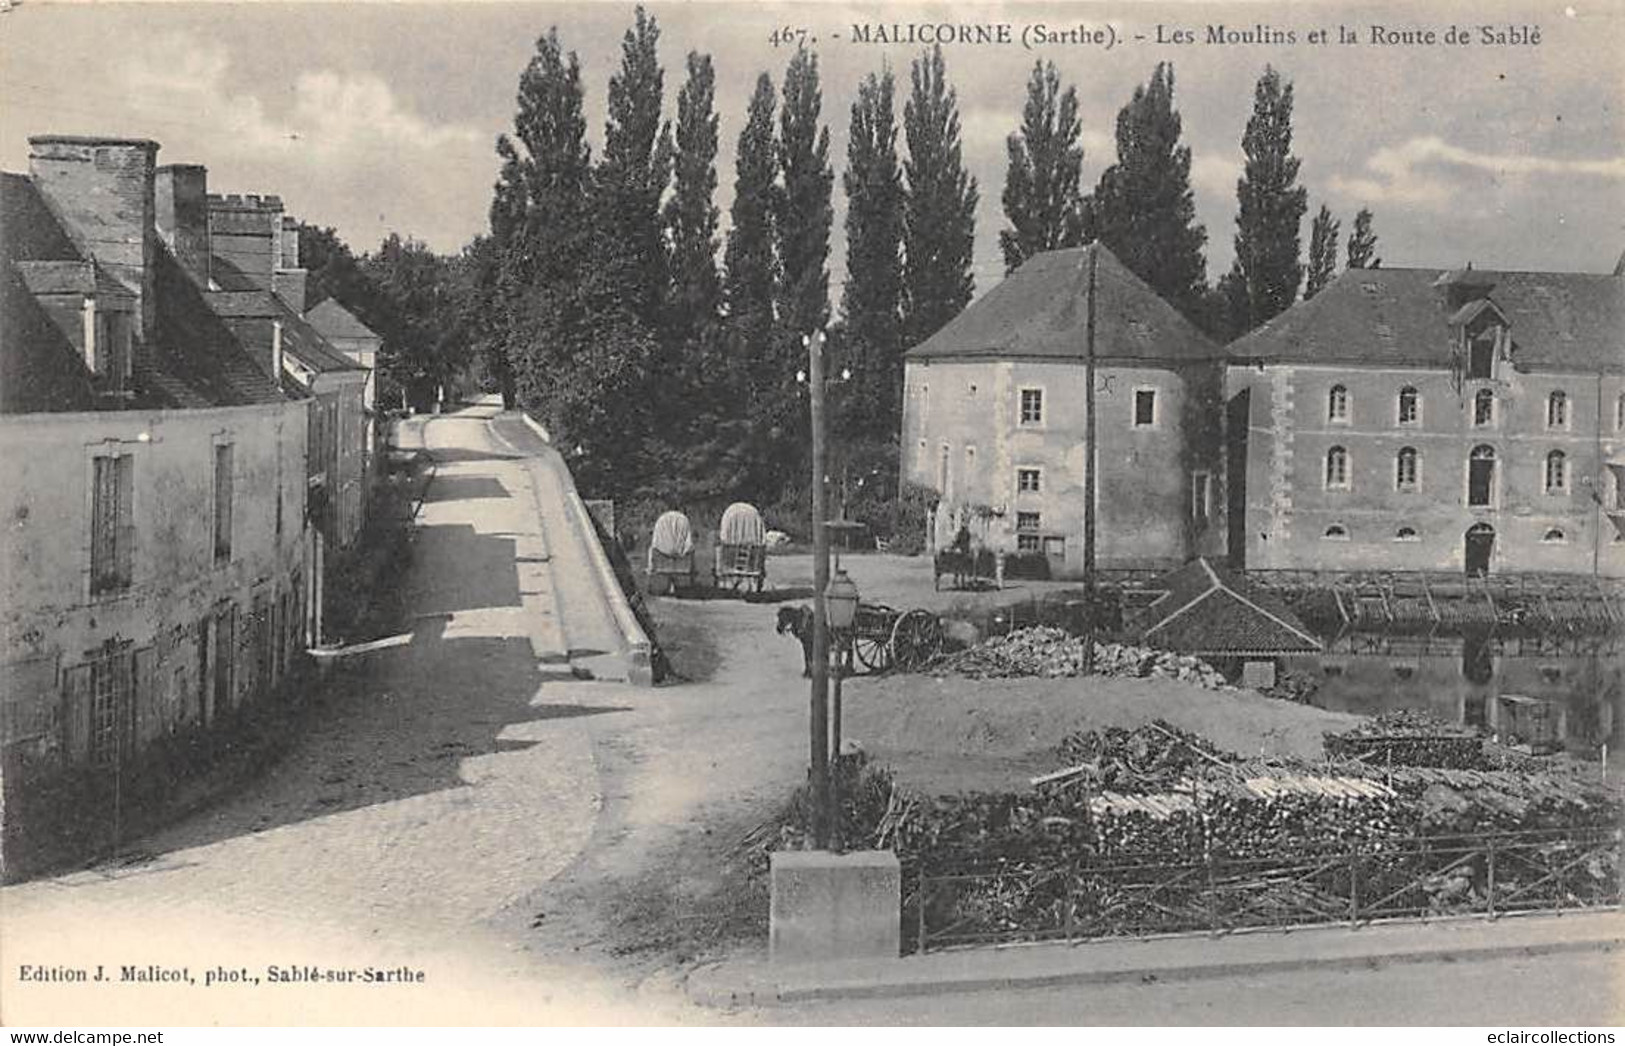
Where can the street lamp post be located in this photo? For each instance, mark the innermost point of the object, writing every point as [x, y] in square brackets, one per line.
[819, 701]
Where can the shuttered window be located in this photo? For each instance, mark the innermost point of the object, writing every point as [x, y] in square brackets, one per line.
[112, 535]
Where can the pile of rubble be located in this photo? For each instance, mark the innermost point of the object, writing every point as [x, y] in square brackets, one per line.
[1050, 653]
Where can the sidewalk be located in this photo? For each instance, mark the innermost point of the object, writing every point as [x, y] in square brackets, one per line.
[753, 981]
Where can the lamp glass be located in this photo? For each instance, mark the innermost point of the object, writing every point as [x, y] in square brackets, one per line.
[841, 600]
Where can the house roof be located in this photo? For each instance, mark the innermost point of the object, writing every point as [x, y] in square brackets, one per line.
[32, 231]
[335, 321]
[195, 360]
[1208, 610]
[1559, 321]
[240, 298]
[39, 369]
[1041, 310]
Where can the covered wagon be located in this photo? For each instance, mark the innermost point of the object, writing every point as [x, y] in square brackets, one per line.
[671, 554]
[740, 557]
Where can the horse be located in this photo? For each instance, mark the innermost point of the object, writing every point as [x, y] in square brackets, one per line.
[798, 621]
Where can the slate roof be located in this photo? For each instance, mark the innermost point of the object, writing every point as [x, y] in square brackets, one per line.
[1560, 321]
[1041, 311]
[39, 369]
[1210, 611]
[239, 297]
[195, 360]
[30, 229]
[333, 320]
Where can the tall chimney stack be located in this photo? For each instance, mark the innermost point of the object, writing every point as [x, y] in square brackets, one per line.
[103, 190]
[182, 205]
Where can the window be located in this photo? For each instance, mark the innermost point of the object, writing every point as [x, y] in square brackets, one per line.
[222, 502]
[1145, 408]
[1336, 532]
[1027, 539]
[1337, 404]
[1055, 546]
[1557, 472]
[1337, 469]
[1484, 407]
[1481, 477]
[1554, 536]
[112, 533]
[1028, 481]
[1201, 496]
[1032, 406]
[1410, 406]
[1406, 534]
[112, 712]
[1405, 470]
[1557, 411]
[1619, 414]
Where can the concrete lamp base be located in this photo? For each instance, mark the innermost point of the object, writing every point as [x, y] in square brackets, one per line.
[834, 906]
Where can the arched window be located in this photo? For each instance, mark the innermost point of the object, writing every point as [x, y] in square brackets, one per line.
[1481, 476]
[1336, 532]
[1410, 406]
[1557, 410]
[1405, 534]
[1337, 404]
[1554, 536]
[1557, 472]
[1483, 407]
[1337, 469]
[1405, 469]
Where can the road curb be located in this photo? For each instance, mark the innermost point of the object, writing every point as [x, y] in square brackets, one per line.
[639, 666]
[727, 985]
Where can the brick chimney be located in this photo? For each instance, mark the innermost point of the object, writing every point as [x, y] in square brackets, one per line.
[102, 189]
[289, 279]
[182, 218]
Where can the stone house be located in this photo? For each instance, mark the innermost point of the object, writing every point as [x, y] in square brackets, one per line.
[1407, 419]
[993, 417]
[157, 579]
[360, 344]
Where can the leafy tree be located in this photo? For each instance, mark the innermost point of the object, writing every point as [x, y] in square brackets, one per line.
[1041, 194]
[1271, 205]
[939, 205]
[1143, 207]
[804, 207]
[424, 347]
[1363, 243]
[1322, 253]
[871, 298]
[750, 262]
[632, 176]
[691, 213]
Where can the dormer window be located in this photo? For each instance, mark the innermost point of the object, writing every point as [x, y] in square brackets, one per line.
[1481, 355]
[108, 353]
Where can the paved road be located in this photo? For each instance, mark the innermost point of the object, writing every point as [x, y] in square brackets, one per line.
[442, 781]
[1554, 991]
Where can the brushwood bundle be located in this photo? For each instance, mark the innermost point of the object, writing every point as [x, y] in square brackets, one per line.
[1047, 652]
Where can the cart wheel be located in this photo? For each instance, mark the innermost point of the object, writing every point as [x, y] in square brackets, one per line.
[873, 652]
[915, 639]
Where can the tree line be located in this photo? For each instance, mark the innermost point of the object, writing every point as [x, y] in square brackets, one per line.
[668, 359]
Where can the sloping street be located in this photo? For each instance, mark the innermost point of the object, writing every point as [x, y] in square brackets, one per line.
[441, 781]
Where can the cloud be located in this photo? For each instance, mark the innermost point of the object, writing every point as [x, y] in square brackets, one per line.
[1430, 171]
[341, 139]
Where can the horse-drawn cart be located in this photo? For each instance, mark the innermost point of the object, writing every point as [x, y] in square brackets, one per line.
[739, 557]
[882, 638]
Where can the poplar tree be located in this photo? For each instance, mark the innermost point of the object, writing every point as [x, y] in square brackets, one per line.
[632, 177]
[1143, 207]
[1271, 205]
[939, 205]
[1363, 243]
[804, 207]
[871, 297]
[750, 262]
[691, 213]
[1042, 200]
[1322, 253]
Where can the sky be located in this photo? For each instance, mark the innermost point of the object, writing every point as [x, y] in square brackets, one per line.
[380, 117]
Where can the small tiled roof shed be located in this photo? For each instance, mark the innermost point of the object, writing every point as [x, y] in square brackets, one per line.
[1210, 612]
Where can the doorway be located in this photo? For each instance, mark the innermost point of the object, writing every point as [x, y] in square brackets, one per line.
[1480, 545]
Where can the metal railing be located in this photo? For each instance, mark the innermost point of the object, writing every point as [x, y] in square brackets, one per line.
[1431, 877]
